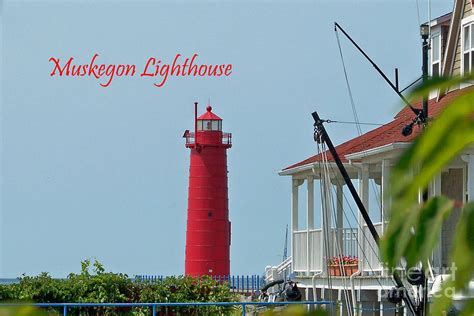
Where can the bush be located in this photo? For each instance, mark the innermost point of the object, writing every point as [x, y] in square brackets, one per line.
[99, 286]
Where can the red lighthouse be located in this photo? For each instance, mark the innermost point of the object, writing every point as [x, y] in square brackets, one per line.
[208, 225]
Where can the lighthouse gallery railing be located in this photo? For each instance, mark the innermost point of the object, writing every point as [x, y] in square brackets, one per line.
[191, 138]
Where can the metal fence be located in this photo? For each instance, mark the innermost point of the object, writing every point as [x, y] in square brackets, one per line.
[244, 284]
[65, 307]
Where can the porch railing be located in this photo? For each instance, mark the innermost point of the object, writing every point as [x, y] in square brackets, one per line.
[342, 241]
[304, 258]
[281, 271]
[371, 255]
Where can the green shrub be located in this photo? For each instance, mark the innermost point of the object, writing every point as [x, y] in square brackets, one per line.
[94, 285]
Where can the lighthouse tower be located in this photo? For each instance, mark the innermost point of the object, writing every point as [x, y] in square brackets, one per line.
[208, 225]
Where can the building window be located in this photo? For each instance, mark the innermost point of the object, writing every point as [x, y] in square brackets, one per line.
[467, 48]
[435, 55]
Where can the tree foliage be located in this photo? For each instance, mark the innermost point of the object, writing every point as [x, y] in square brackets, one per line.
[94, 285]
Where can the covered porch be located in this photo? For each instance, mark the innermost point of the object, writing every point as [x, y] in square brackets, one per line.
[324, 232]
[319, 231]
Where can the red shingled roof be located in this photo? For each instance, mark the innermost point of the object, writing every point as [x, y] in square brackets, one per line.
[386, 134]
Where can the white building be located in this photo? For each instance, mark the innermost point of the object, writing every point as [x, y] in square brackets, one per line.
[368, 159]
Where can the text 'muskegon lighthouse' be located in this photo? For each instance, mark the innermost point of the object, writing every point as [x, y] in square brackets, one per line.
[208, 226]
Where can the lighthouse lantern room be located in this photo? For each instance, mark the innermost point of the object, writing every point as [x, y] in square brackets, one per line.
[208, 225]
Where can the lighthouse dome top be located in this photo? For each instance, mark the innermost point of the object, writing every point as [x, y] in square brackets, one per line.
[209, 115]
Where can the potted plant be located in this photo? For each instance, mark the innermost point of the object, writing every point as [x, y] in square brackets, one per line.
[342, 265]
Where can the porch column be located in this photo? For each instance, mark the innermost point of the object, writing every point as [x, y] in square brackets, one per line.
[310, 202]
[385, 185]
[339, 217]
[294, 215]
[309, 220]
[294, 205]
[364, 196]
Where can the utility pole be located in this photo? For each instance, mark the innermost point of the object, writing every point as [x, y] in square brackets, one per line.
[424, 32]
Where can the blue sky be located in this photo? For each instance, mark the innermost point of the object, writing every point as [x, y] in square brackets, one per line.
[88, 171]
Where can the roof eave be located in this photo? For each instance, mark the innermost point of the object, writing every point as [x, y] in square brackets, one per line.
[377, 150]
[441, 19]
[309, 166]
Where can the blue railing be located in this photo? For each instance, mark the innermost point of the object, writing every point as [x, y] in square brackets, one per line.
[249, 284]
[243, 305]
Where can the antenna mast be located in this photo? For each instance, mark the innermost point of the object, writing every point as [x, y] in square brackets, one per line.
[384, 76]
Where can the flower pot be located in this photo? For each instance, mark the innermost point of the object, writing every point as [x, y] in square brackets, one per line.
[335, 270]
[346, 269]
[350, 269]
